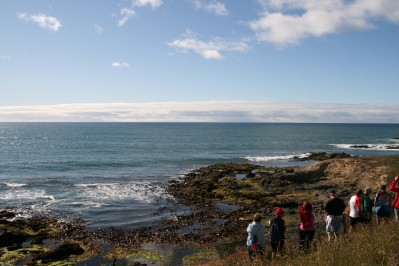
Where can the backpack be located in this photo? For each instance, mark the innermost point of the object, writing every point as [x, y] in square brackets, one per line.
[367, 204]
[275, 234]
[254, 243]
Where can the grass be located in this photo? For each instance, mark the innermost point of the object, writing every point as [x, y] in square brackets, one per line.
[367, 245]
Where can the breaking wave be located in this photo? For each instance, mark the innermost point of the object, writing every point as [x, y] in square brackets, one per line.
[276, 157]
[374, 147]
[22, 195]
[145, 192]
[16, 185]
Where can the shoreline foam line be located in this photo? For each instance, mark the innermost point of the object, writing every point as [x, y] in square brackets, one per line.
[374, 147]
[276, 157]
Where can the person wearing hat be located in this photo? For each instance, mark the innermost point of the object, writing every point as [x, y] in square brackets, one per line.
[277, 233]
[334, 209]
[256, 241]
[394, 187]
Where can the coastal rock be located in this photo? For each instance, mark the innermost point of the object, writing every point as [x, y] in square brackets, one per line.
[60, 253]
[206, 191]
[392, 147]
[363, 146]
[5, 214]
[12, 239]
[322, 156]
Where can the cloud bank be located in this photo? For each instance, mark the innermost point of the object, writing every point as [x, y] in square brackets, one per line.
[208, 111]
[288, 22]
[44, 21]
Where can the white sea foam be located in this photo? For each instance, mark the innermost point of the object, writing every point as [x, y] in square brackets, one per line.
[143, 192]
[24, 195]
[374, 147]
[276, 157]
[16, 185]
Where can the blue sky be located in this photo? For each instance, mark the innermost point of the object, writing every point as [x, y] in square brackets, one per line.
[200, 60]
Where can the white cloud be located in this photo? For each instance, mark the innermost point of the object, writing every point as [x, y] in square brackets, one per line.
[288, 22]
[126, 13]
[119, 64]
[98, 28]
[129, 12]
[152, 3]
[207, 111]
[44, 21]
[216, 8]
[209, 50]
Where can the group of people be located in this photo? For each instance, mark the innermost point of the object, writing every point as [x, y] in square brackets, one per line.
[361, 204]
[361, 211]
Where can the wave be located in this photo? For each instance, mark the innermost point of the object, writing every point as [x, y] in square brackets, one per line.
[144, 192]
[374, 147]
[26, 195]
[16, 185]
[276, 157]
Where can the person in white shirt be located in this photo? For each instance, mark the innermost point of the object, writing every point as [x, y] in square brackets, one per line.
[355, 204]
[256, 240]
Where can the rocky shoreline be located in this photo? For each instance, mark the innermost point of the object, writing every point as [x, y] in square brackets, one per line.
[222, 198]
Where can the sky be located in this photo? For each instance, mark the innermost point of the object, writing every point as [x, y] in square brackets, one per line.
[199, 61]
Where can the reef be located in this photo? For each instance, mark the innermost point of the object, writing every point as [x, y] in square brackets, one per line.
[222, 199]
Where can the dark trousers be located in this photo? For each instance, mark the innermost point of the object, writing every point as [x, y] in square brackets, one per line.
[277, 247]
[305, 239]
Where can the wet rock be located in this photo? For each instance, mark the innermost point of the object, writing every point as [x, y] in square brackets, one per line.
[393, 147]
[4, 214]
[61, 253]
[203, 190]
[322, 156]
[12, 239]
[173, 218]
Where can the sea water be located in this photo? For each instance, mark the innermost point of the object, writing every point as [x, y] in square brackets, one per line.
[115, 174]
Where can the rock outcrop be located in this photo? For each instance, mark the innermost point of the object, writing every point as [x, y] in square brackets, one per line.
[222, 198]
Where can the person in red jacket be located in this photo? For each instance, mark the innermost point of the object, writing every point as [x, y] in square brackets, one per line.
[395, 188]
[306, 229]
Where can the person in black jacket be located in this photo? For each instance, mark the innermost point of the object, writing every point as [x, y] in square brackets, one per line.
[277, 233]
[334, 220]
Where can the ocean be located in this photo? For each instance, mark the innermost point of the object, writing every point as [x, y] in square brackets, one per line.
[115, 174]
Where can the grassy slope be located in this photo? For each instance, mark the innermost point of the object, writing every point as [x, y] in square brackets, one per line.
[369, 245]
